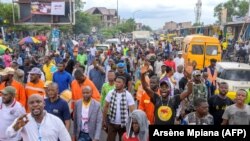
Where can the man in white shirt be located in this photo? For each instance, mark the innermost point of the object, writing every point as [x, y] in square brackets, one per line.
[179, 60]
[178, 75]
[157, 65]
[93, 50]
[119, 103]
[10, 109]
[38, 125]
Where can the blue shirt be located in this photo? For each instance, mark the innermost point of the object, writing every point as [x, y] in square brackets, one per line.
[97, 78]
[63, 79]
[59, 108]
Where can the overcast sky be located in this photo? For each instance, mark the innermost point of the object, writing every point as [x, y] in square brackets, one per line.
[156, 12]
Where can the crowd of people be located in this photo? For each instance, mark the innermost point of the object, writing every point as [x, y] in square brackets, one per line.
[121, 91]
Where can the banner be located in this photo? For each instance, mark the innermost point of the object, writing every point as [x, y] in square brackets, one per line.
[53, 8]
[40, 8]
[199, 132]
[58, 8]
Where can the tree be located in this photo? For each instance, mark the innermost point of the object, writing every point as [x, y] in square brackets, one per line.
[128, 26]
[146, 27]
[79, 4]
[6, 13]
[234, 8]
[82, 24]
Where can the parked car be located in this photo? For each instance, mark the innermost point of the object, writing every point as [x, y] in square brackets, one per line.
[237, 75]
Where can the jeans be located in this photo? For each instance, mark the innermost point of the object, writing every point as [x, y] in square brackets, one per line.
[84, 137]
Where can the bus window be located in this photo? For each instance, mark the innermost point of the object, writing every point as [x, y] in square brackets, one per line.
[197, 49]
[212, 50]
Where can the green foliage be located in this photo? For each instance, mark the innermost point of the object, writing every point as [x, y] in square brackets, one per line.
[128, 26]
[85, 22]
[146, 27]
[234, 8]
[109, 32]
[6, 13]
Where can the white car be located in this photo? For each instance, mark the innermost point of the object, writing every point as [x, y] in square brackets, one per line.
[237, 75]
[103, 47]
[115, 41]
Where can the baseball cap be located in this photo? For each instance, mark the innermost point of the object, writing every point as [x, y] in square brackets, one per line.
[165, 82]
[7, 71]
[35, 71]
[8, 89]
[196, 72]
[120, 65]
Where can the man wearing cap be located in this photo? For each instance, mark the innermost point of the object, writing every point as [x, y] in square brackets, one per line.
[8, 80]
[36, 85]
[165, 105]
[10, 109]
[179, 60]
[121, 72]
[212, 74]
[199, 91]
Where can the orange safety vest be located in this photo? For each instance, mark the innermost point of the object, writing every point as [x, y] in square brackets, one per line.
[212, 78]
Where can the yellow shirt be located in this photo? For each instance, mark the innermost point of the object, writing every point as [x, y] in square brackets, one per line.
[48, 71]
[224, 45]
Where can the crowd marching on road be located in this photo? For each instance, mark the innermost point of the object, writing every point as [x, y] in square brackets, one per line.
[119, 91]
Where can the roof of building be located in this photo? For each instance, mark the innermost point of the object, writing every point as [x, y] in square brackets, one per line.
[103, 10]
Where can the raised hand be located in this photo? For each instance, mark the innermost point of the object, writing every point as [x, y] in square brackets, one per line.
[21, 122]
[145, 68]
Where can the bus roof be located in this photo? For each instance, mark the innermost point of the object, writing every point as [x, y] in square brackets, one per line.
[200, 38]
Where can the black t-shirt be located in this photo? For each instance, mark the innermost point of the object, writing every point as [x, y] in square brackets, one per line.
[182, 83]
[125, 75]
[70, 66]
[217, 106]
[165, 110]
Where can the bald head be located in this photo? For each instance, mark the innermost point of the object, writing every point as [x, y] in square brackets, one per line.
[34, 97]
[87, 93]
[53, 85]
[53, 90]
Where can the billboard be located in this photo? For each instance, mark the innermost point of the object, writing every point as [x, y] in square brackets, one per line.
[41, 12]
[40, 8]
[53, 8]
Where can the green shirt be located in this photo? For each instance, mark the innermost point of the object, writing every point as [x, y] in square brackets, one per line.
[81, 59]
[105, 90]
[125, 50]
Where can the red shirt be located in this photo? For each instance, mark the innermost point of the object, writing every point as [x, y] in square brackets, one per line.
[170, 64]
[124, 138]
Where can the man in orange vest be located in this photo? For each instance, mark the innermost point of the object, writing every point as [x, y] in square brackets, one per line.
[212, 74]
[81, 81]
[35, 86]
[8, 80]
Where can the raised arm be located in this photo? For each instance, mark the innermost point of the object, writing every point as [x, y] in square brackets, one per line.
[145, 86]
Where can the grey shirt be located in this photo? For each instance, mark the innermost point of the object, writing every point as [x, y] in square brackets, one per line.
[236, 116]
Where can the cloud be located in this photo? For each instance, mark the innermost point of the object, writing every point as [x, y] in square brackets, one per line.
[156, 12]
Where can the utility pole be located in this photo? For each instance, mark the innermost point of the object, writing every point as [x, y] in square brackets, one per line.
[117, 6]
